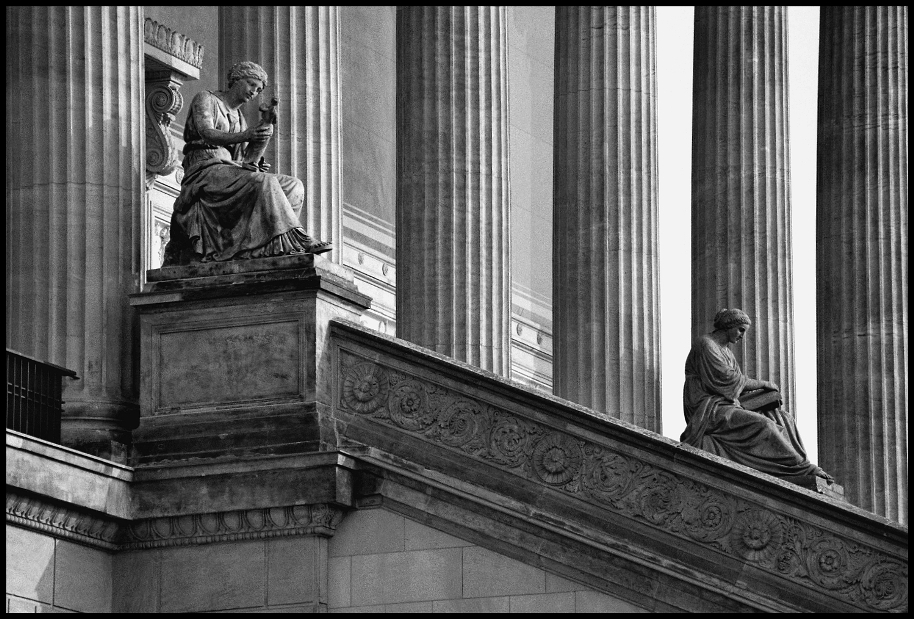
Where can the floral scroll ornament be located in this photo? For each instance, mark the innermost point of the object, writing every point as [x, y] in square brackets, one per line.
[365, 388]
[508, 441]
[460, 424]
[885, 585]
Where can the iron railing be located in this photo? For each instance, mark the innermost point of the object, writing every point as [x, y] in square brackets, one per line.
[33, 396]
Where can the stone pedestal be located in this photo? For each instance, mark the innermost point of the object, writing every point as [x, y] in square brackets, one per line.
[298, 46]
[862, 254]
[741, 231]
[74, 191]
[234, 358]
[453, 266]
[606, 294]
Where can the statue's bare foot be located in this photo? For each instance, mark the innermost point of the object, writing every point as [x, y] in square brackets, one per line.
[319, 247]
[821, 473]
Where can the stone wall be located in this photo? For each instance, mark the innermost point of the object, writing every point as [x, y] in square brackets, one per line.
[383, 562]
[273, 575]
[45, 574]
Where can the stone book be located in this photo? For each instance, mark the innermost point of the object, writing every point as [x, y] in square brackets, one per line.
[760, 400]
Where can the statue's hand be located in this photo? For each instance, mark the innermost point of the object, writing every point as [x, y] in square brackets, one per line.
[772, 386]
[259, 133]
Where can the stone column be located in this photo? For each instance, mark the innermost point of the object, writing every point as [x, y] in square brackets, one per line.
[741, 231]
[606, 295]
[453, 267]
[862, 254]
[298, 46]
[74, 194]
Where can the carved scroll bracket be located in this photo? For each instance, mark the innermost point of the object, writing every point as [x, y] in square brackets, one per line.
[171, 59]
[163, 102]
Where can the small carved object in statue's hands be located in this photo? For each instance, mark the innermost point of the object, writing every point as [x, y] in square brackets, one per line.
[254, 155]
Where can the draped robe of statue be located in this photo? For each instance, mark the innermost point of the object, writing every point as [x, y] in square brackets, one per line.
[717, 423]
[226, 211]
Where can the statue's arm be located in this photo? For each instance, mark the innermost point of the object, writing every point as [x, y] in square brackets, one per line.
[202, 109]
[752, 383]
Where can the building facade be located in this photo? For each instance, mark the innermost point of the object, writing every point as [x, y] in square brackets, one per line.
[494, 216]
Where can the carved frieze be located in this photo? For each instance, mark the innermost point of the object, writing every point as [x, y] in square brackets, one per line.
[772, 541]
[33, 512]
[237, 525]
[173, 42]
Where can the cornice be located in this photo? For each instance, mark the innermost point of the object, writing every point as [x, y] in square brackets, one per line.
[436, 413]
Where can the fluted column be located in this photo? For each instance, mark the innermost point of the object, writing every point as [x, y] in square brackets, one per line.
[298, 46]
[741, 231]
[74, 198]
[606, 296]
[453, 267]
[862, 254]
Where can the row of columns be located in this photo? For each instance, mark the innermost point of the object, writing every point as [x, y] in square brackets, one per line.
[73, 224]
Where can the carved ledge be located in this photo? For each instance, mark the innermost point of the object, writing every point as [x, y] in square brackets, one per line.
[107, 533]
[36, 513]
[412, 402]
[319, 519]
[173, 43]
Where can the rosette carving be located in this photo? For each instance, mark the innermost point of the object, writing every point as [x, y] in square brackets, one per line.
[408, 406]
[556, 459]
[757, 536]
[365, 388]
[828, 562]
[636, 489]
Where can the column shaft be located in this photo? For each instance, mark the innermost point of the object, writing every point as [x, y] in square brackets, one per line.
[453, 267]
[606, 312]
[74, 197]
[741, 230]
[298, 46]
[862, 254]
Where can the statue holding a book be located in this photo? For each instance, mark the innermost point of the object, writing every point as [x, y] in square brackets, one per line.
[737, 417]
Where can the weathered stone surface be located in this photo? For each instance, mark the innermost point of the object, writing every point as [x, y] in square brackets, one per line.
[862, 254]
[741, 213]
[453, 265]
[748, 540]
[74, 188]
[606, 287]
[298, 46]
[233, 358]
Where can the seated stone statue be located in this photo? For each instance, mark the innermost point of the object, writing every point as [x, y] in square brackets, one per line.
[230, 207]
[766, 438]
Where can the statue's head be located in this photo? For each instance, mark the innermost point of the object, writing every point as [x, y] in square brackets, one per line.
[729, 318]
[244, 69]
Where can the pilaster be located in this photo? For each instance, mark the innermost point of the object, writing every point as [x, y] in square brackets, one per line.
[741, 232]
[74, 196]
[298, 46]
[606, 295]
[862, 254]
[453, 267]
